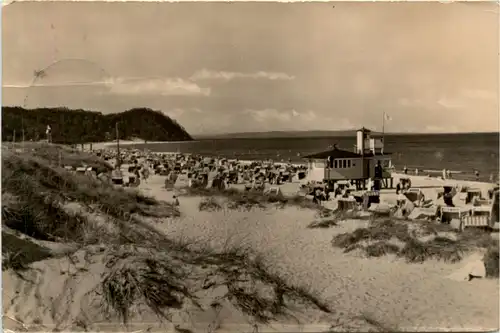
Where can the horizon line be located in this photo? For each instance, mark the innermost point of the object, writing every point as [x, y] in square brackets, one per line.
[348, 130]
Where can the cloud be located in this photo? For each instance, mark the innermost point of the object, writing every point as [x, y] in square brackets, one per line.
[441, 129]
[206, 74]
[282, 116]
[443, 102]
[157, 86]
[132, 86]
[269, 115]
[450, 103]
[179, 112]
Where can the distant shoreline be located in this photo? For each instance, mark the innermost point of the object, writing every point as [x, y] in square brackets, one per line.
[112, 144]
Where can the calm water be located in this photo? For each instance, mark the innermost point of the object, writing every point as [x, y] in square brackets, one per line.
[457, 152]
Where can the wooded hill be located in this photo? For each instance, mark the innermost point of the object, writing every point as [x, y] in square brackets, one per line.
[81, 126]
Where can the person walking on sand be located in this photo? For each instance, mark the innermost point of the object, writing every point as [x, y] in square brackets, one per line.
[176, 201]
[416, 172]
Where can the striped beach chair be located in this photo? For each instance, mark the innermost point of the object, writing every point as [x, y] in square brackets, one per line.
[475, 221]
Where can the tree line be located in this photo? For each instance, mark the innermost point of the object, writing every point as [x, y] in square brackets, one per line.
[81, 126]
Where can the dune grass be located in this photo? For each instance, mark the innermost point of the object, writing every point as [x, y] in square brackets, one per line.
[18, 253]
[60, 155]
[491, 262]
[375, 241]
[210, 204]
[246, 200]
[35, 192]
[163, 280]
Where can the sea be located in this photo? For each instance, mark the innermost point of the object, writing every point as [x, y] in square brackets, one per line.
[429, 153]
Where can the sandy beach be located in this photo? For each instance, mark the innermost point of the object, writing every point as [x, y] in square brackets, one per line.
[359, 290]
[411, 296]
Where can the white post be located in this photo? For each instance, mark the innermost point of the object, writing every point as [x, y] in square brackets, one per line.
[383, 133]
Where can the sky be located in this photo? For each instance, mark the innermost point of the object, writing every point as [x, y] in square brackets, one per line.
[243, 67]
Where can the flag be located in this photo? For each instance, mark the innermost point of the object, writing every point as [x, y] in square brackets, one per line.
[387, 117]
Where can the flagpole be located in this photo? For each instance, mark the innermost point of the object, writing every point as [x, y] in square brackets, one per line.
[383, 132]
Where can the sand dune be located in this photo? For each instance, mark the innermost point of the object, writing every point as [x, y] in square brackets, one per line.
[410, 296]
[363, 293]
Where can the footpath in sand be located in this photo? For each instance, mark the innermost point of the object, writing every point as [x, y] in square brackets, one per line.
[407, 296]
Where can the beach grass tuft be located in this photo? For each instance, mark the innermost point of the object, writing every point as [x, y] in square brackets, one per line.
[444, 244]
[379, 230]
[380, 249]
[439, 248]
[247, 200]
[491, 262]
[209, 204]
[163, 279]
[151, 277]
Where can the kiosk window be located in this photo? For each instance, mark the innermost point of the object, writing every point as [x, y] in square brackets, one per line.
[344, 163]
[336, 164]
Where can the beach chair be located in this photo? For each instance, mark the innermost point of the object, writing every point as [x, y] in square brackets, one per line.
[474, 221]
[345, 204]
[472, 193]
[405, 183]
[413, 194]
[273, 190]
[81, 170]
[133, 181]
[370, 197]
[450, 213]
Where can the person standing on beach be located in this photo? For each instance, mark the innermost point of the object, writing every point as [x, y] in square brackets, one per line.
[444, 173]
[48, 132]
[378, 176]
[405, 170]
[476, 172]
